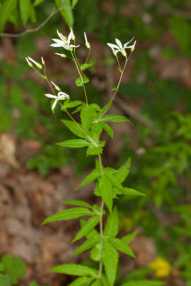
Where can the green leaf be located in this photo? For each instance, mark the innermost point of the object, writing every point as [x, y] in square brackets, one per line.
[81, 281]
[75, 269]
[114, 118]
[121, 246]
[33, 283]
[87, 115]
[90, 178]
[129, 237]
[25, 10]
[108, 129]
[74, 143]
[5, 280]
[74, 3]
[112, 225]
[81, 81]
[131, 192]
[123, 172]
[66, 11]
[71, 104]
[38, 2]
[88, 244]
[95, 150]
[96, 252]
[75, 128]
[105, 191]
[6, 10]
[68, 214]
[86, 66]
[143, 283]
[14, 267]
[110, 261]
[87, 227]
[77, 203]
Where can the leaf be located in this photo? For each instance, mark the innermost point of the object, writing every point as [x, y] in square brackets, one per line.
[105, 191]
[66, 11]
[75, 269]
[6, 10]
[123, 172]
[110, 261]
[129, 237]
[25, 10]
[112, 225]
[87, 115]
[74, 143]
[71, 104]
[81, 281]
[131, 192]
[14, 267]
[75, 128]
[90, 178]
[81, 81]
[108, 129]
[96, 252]
[68, 214]
[114, 118]
[5, 280]
[87, 227]
[95, 150]
[86, 66]
[143, 283]
[38, 2]
[88, 244]
[33, 283]
[121, 246]
[74, 3]
[77, 203]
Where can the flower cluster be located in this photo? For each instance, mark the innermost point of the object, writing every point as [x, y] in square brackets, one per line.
[118, 47]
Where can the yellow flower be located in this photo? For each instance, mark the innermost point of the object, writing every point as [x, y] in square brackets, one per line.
[160, 267]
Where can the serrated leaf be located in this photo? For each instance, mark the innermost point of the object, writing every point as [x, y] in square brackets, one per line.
[112, 225]
[68, 214]
[75, 269]
[74, 143]
[81, 281]
[123, 172]
[75, 128]
[121, 246]
[25, 10]
[110, 261]
[77, 203]
[87, 227]
[81, 81]
[143, 283]
[131, 192]
[66, 11]
[89, 178]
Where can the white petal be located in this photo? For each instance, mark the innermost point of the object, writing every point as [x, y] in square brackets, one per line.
[87, 44]
[60, 55]
[32, 61]
[48, 95]
[113, 46]
[118, 42]
[54, 104]
[62, 95]
[61, 36]
[71, 36]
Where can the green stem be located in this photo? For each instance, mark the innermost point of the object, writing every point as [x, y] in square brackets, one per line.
[80, 74]
[101, 222]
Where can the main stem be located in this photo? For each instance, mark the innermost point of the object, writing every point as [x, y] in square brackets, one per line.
[101, 222]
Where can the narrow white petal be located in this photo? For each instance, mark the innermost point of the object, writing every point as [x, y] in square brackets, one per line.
[48, 95]
[87, 44]
[60, 55]
[118, 42]
[28, 62]
[61, 36]
[32, 61]
[113, 46]
[54, 104]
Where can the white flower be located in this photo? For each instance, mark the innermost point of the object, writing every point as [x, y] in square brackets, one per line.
[60, 96]
[65, 42]
[118, 47]
[33, 64]
[87, 44]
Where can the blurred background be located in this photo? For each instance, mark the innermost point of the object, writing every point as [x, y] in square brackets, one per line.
[36, 176]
